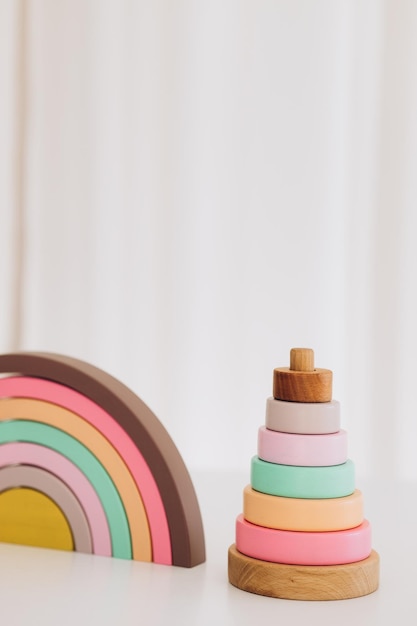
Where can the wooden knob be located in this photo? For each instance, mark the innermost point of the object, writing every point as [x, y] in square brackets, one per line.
[302, 359]
[301, 382]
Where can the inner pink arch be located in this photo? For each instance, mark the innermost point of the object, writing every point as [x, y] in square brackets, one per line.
[33, 454]
[55, 393]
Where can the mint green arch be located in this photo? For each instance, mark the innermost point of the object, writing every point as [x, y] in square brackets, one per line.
[54, 438]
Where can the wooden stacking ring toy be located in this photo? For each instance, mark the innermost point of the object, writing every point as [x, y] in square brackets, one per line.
[311, 450]
[302, 534]
[302, 382]
[300, 481]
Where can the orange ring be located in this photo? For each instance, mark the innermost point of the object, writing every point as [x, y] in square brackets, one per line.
[301, 513]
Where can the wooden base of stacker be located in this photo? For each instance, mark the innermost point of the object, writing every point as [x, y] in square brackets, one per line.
[304, 582]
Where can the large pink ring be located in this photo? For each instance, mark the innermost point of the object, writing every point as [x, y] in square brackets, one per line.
[303, 548]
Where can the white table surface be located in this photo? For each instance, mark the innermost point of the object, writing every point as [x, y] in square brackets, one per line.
[51, 587]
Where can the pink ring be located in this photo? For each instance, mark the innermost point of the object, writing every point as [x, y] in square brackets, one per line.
[303, 548]
[311, 450]
[47, 459]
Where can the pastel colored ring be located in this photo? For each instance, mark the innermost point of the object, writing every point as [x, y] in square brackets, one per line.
[303, 548]
[293, 449]
[303, 417]
[301, 513]
[298, 481]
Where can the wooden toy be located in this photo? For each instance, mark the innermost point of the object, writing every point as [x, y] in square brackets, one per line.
[93, 435]
[302, 534]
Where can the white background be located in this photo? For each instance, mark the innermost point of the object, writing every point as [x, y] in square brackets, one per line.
[190, 189]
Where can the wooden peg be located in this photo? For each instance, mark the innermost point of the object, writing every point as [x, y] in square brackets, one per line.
[302, 359]
[302, 382]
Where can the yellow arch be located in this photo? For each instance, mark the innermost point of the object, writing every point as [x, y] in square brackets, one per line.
[49, 527]
[93, 440]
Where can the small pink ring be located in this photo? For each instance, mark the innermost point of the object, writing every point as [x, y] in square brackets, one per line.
[307, 450]
[303, 548]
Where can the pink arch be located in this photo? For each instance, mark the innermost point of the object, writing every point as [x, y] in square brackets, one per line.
[60, 466]
[42, 389]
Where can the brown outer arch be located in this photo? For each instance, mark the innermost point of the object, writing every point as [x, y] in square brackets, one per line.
[146, 431]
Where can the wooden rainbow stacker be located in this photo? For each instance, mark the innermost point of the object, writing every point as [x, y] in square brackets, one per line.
[302, 534]
[85, 465]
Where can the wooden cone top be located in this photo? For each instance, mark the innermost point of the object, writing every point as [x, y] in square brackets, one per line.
[302, 382]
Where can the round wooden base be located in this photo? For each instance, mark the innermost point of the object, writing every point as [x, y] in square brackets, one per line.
[304, 582]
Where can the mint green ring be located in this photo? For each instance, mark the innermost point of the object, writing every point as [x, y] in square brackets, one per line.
[295, 481]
